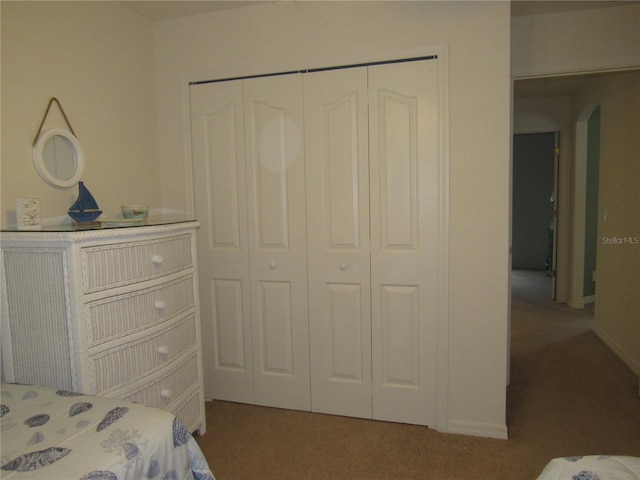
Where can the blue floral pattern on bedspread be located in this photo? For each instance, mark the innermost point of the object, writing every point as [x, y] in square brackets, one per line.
[583, 475]
[592, 467]
[56, 434]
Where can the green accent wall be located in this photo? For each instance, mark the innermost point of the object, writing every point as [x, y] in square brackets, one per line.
[591, 207]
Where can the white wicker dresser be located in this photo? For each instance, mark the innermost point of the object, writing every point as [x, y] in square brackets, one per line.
[106, 311]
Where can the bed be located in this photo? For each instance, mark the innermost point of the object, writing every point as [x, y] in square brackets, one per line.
[592, 467]
[55, 434]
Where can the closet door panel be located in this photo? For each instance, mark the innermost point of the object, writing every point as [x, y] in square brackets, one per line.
[275, 322]
[336, 146]
[400, 330]
[229, 347]
[277, 240]
[217, 129]
[404, 240]
[397, 171]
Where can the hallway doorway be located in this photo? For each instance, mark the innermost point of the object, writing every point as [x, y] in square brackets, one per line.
[534, 204]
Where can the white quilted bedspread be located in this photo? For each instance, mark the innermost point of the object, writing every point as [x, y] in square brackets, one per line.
[592, 467]
[49, 434]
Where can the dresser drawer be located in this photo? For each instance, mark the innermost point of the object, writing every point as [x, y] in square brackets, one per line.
[115, 265]
[189, 412]
[122, 315]
[166, 390]
[128, 363]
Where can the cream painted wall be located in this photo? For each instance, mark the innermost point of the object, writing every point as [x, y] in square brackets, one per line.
[273, 37]
[97, 59]
[617, 308]
[576, 41]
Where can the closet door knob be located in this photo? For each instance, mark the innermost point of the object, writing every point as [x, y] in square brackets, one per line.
[272, 265]
[343, 266]
[157, 259]
[163, 350]
[160, 305]
[166, 394]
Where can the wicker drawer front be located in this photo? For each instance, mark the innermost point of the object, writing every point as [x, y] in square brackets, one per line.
[36, 317]
[125, 263]
[124, 314]
[167, 389]
[133, 360]
[189, 412]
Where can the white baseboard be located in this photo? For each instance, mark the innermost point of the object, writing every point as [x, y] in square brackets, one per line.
[589, 299]
[631, 362]
[478, 429]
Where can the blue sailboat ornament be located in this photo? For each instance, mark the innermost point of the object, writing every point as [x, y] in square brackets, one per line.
[85, 208]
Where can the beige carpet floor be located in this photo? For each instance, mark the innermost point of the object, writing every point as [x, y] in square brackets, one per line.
[569, 395]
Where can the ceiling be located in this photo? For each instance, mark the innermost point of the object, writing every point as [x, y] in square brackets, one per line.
[535, 7]
[157, 10]
[165, 9]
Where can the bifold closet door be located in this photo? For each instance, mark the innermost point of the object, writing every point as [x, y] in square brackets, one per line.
[277, 240]
[403, 151]
[337, 159]
[248, 164]
[319, 290]
[219, 176]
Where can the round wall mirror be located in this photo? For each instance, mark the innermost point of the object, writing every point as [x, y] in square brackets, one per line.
[58, 158]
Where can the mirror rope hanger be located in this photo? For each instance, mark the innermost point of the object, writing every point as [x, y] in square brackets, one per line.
[53, 99]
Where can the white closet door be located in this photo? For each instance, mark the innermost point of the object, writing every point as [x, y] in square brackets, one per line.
[403, 109]
[277, 240]
[336, 144]
[217, 130]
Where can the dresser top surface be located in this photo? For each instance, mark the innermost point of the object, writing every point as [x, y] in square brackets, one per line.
[104, 225]
[97, 231]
